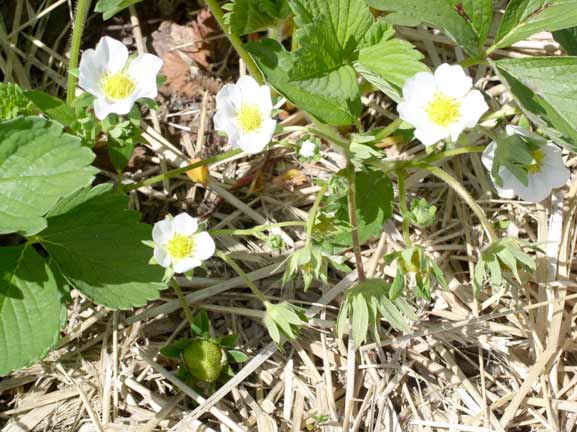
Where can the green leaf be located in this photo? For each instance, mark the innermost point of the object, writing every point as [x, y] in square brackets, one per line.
[359, 319]
[392, 315]
[249, 16]
[97, 244]
[237, 356]
[53, 107]
[524, 18]
[545, 88]
[200, 325]
[30, 308]
[397, 285]
[13, 102]
[39, 164]
[109, 8]
[333, 98]
[389, 63]
[176, 348]
[567, 38]
[466, 21]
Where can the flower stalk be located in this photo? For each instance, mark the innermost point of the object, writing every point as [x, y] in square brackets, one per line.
[403, 205]
[353, 219]
[258, 293]
[82, 8]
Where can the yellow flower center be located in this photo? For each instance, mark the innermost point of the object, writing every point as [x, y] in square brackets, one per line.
[180, 246]
[443, 110]
[249, 118]
[538, 158]
[117, 86]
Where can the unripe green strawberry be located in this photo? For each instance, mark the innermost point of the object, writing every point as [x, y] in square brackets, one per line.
[204, 360]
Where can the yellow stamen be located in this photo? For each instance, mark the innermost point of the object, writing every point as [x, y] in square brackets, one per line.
[117, 86]
[180, 246]
[249, 118]
[537, 165]
[443, 110]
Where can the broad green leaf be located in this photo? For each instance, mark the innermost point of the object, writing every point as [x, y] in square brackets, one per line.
[30, 308]
[388, 64]
[567, 38]
[466, 21]
[96, 242]
[524, 18]
[546, 89]
[249, 16]
[175, 349]
[13, 102]
[53, 107]
[109, 8]
[237, 356]
[359, 319]
[39, 164]
[333, 99]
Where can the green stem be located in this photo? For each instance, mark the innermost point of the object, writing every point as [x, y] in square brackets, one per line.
[182, 300]
[258, 293]
[179, 171]
[254, 230]
[472, 61]
[82, 8]
[313, 214]
[403, 205]
[235, 41]
[332, 135]
[352, 201]
[387, 131]
[460, 190]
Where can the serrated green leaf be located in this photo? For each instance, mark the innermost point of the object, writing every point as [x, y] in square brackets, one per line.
[392, 61]
[39, 164]
[439, 275]
[567, 38]
[405, 308]
[359, 319]
[495, 272]
[545, 88]
[237, 356]
[507, 258]
[249, 16]
[30, 308]
[109, 8]
[466, 21]
[200, 325]
[53, 107]
[272, 329]
[397, 285]
[393, 316]
[524, 18]
[342, 319]
[333, 99]
[13, 102]
[97, 244]
[523, 258]
[479, 277]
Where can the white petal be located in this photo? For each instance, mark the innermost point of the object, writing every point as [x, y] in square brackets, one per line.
[161, 256]
[113, 53]
[225, 118]
[554, 170]
[91, 72]
[185, 225]
[455, 130]
[143, 70]
[413, 113]
[204, 246]
[473, 106]
[186, 264]
[510, 182]
[452, 80]
[420, 88]
[227, 97]
[308, 149]
[264, 100]
[535, 191]
[255, 142]
[489, 155]
[430, 134]
[248, 86]
[102, 107]
[163, 231]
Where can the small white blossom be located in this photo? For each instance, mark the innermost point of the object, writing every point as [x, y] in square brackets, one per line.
[243, 113]
[546, 173]
[308, 149]
[179, 245]
[117, 82]
[441, 105]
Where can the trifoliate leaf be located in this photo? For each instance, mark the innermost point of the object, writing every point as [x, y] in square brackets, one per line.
[13, 102]
[109, 8]
[467, 21]
[96, 242]
[524, 18]
[283, 319]
[31, 308]
[249, 16]
[39, 164]
[422, 213]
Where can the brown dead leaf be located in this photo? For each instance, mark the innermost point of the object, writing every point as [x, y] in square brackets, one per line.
[291, 179]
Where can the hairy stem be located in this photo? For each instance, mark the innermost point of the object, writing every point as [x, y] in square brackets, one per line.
[460, 190]
[179, 171]
[82, 8]
[258, 293]
[182, 300]
[403, 205]
[353, 219]
[235, 41]
[313, 214]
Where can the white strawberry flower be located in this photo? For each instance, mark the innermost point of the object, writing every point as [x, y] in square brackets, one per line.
[441, 105]
[115, 80]
[308, 149]
[244, 114]
[547, 172]
[179, 245]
